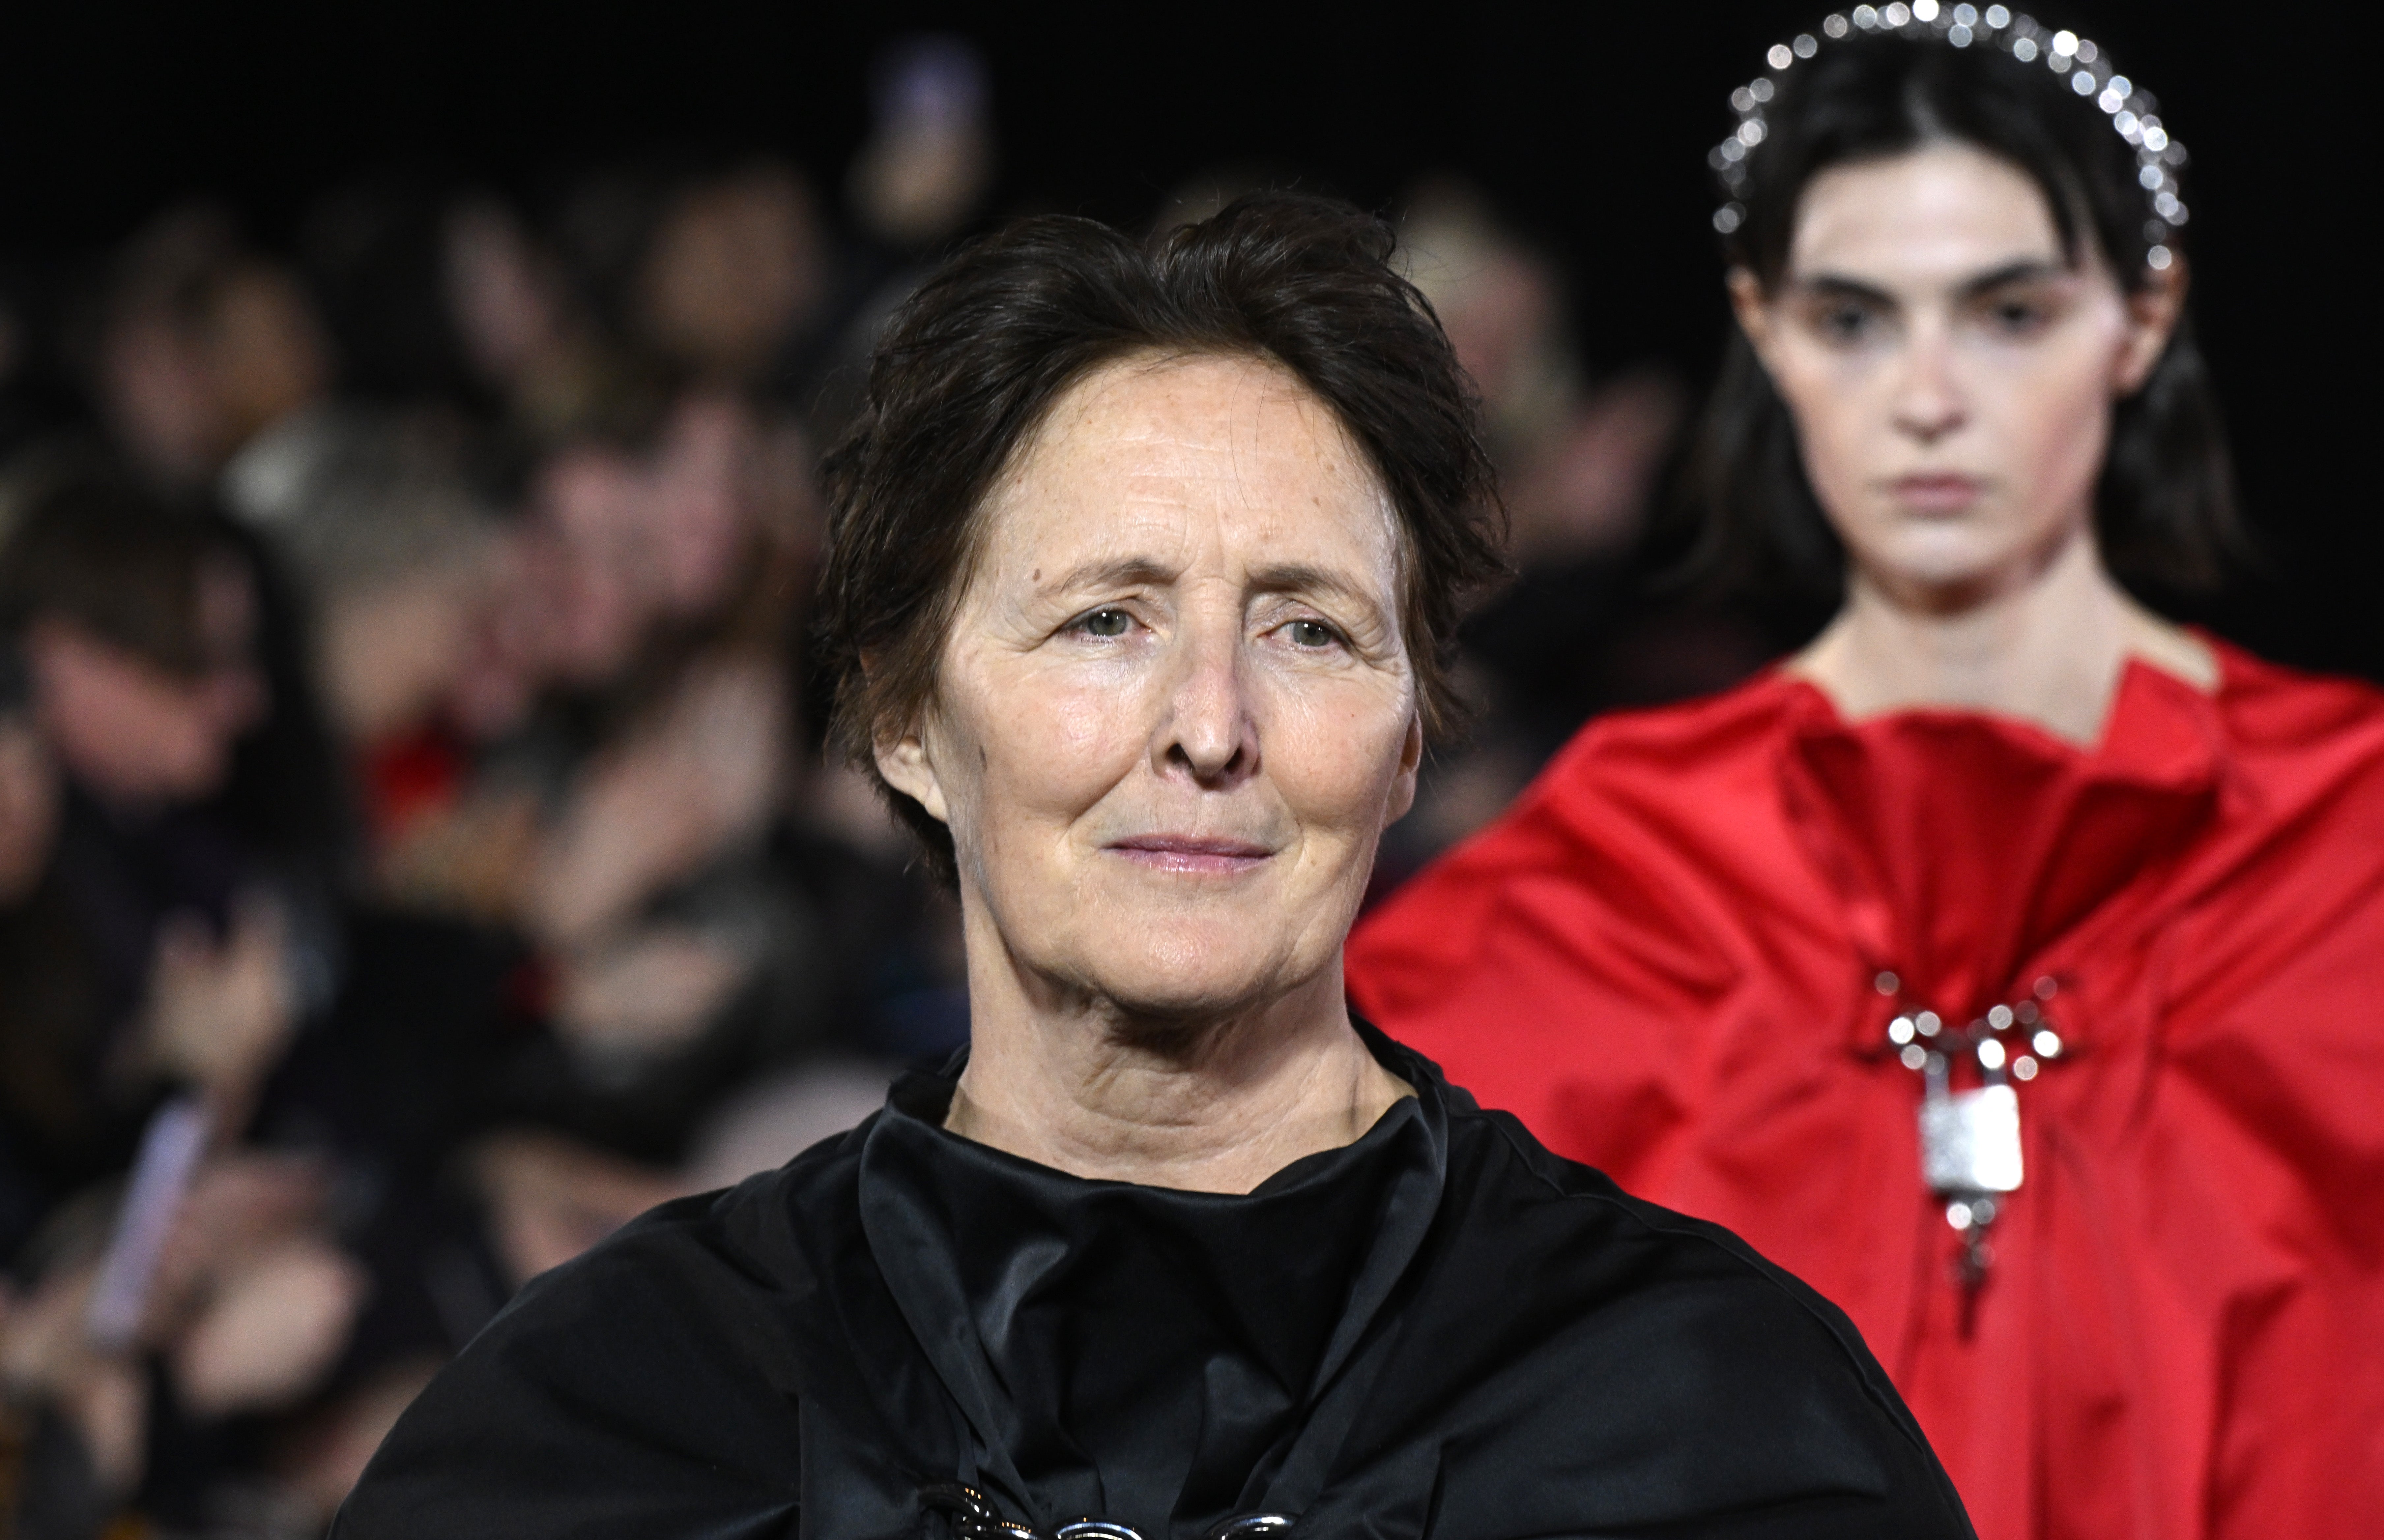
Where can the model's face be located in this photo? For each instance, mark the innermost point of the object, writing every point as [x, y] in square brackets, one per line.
[1175, 709]
[1950, 370]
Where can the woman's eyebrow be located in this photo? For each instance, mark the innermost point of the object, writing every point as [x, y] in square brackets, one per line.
[1838, 286]
[1281, 577]
[1302, 578]
[2027, 270]
[1109, 573]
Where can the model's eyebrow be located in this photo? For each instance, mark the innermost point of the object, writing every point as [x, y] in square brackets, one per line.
[2027, 270]
[1838, 287]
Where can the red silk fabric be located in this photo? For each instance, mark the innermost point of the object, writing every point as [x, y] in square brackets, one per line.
[1664, 958]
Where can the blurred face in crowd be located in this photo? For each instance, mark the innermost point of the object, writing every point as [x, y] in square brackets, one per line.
[1175, 709]
[701, 483]
[502, 296]
[622, 541]
[735, 268]
[390, 653]
[1950, 368]
[584, 561]
[187, 390]
[136, 734]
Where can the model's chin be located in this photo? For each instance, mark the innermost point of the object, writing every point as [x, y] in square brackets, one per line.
[1952, 558]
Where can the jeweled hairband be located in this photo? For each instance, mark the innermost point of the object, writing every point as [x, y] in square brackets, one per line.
[2158, 157]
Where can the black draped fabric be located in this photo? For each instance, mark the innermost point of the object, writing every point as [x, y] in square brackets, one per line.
[1441, 1330]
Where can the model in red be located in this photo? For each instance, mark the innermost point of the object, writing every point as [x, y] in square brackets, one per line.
[2009, 962]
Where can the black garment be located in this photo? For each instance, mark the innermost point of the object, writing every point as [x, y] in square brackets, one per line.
[1441, 1330]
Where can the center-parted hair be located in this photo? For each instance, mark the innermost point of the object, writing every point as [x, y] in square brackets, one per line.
[2164, 505]
[968, 369]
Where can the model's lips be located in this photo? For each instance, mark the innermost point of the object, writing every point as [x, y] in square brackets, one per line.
[1937, 491]
[1190, 853]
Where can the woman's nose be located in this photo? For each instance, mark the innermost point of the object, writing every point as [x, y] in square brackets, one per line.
[1928, 400]
[1208, 731]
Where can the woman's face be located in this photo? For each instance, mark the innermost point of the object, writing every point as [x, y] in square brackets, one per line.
[1950, 370]
[1175, 709]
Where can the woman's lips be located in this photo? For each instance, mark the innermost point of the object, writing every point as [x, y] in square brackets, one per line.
[1190, 853]
[1940, 492]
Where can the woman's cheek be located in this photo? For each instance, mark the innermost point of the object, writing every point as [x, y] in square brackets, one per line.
[1062, 747]
[1827, 395]
[2066, 406]
[1335, 748]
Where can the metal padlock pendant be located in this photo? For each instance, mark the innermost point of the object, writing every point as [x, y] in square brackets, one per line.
[1969, 1140]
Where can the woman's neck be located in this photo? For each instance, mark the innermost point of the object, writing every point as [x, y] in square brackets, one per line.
[1216, 1107]
[2048, 649]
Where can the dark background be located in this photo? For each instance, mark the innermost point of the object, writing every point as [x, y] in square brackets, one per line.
[1587, 125]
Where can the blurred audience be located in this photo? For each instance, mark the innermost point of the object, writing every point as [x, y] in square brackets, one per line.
[1582, 459]
[415, 854]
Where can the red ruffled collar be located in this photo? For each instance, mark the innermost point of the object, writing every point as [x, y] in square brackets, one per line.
[1972, 851]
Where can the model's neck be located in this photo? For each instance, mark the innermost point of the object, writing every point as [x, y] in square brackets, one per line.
[1215, 1106]
[2048, 648]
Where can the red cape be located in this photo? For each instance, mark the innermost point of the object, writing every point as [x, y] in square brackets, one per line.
[1666, 958]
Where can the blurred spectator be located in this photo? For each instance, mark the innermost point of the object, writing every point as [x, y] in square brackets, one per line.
[157, 954]
[928, 161]
[203, 345]
[1581, 461]
[400, 557]
[735, 274]
[527, 335]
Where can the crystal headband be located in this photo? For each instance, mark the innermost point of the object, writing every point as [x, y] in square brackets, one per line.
[2158, 157]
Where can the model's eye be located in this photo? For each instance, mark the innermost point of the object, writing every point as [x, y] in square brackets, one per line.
[1846, 322]
[1311, 633]
[1105, 623]
[2016, 317]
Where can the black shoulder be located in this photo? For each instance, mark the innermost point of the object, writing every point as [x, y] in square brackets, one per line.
[648, 1388]
[1696, 1379]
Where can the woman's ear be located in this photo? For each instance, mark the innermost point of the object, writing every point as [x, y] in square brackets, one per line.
[2152, 314]
[910, 768]
[1747, 303]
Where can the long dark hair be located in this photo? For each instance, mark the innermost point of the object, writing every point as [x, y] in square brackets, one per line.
[2165, 507]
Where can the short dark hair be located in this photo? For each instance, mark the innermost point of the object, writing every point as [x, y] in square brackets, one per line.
[2165, 507]
[967, 369]
[94, 549]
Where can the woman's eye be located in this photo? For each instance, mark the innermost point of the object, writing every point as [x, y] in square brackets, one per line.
[2016, 316]
[1311, 633]
[1105, 623]
[1845, 323]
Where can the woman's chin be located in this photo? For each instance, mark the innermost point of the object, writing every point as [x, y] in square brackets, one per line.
[1955, 560]
[1177, 974]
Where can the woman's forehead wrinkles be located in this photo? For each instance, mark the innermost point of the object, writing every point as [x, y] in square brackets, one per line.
[1173, 464]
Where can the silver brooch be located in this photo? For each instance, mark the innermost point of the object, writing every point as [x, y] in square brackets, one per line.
[971, 1515]
[1969, 1139]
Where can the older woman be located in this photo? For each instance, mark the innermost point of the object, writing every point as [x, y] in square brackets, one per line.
[1143, 568]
